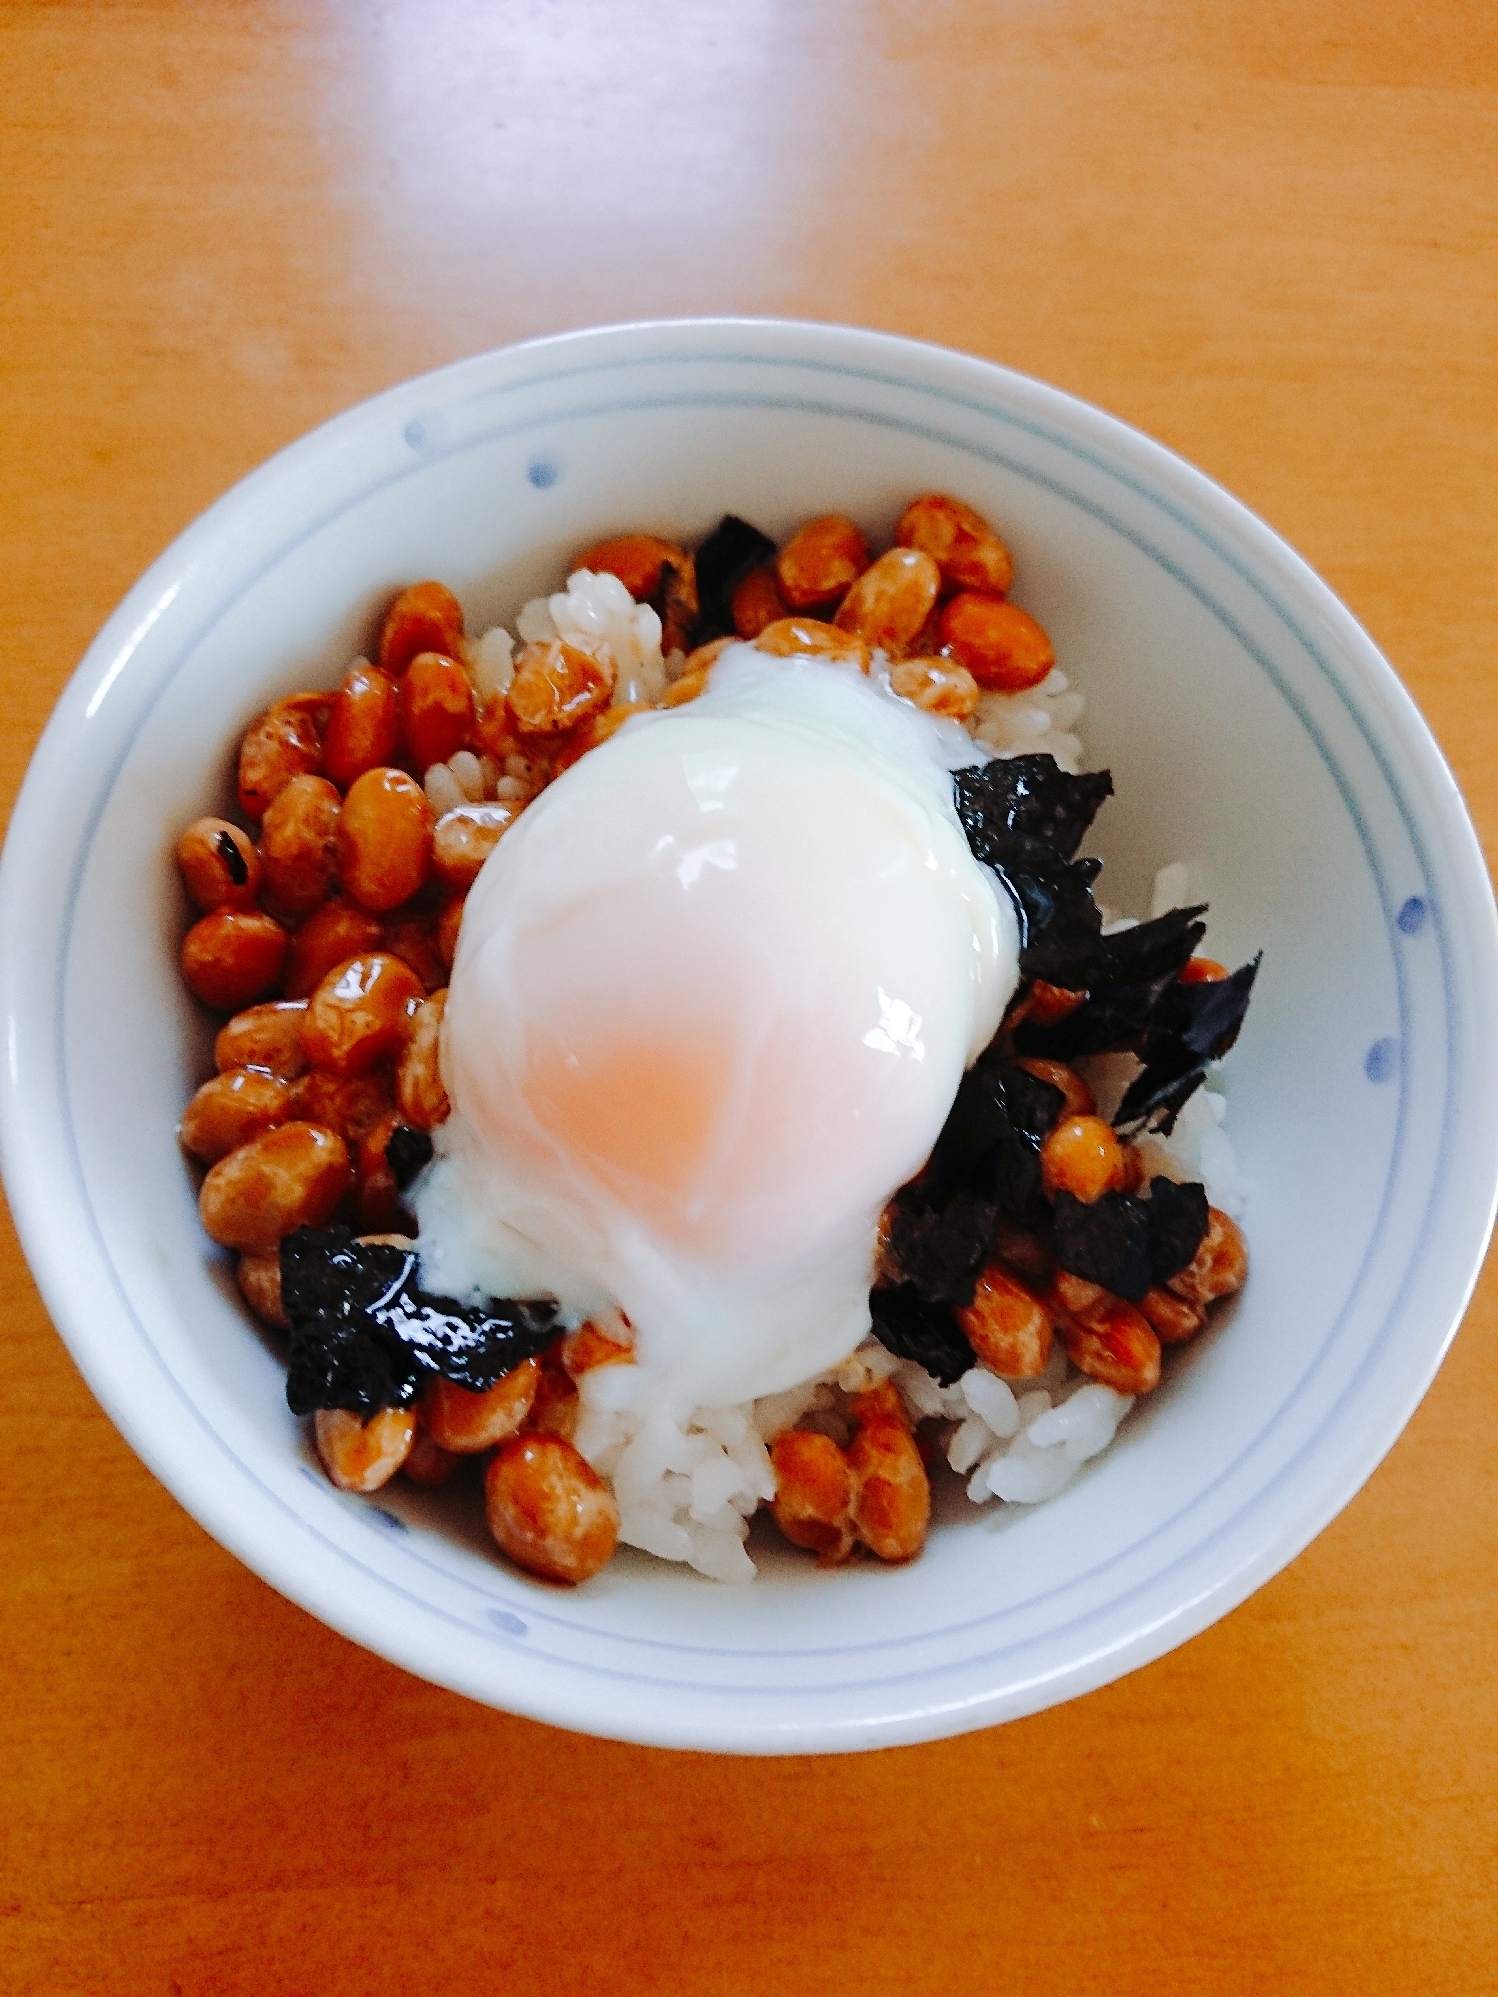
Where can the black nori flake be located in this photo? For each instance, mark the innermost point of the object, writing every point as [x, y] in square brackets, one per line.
[985, 1167]
[1105, 1241]
[913, 1328]
[1025, 817]
[1127, 976]
[1189, 1027]
[940, 1251]
[1031, 795]
[365, 1335]
[235, 864]
[990, 1143]
[1130, 1245]
[1077, 958]
[1177, 1223]
[406, 1151]
[724, 559]
[1057, 918]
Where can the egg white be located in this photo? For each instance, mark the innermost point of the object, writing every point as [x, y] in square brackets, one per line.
[714, 994]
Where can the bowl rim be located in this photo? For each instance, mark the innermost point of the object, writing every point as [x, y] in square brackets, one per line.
[108, 657]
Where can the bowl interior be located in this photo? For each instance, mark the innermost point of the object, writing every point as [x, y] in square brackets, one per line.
[1253, 734]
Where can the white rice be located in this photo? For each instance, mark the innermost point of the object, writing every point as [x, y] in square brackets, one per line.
[597, 615]
[1037, 722]
[687, 1488]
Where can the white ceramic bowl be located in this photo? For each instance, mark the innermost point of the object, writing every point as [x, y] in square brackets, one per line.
[1253, 730]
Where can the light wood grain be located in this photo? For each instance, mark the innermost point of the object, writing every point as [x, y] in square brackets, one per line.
[1267, 235]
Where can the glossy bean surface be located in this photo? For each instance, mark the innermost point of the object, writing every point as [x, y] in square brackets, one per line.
[233, 956]
[428, 1464]
[285, 742]
[427, 617]
[889, 603]
[936, 686]
[961, 542]
[1082, 1156]
[792, 635]
[420, 1093]
[299, 844]
[436, 709]
[1220, 1264]
[290, 1177]
[636, 559]
[330, 936]
[231, 1108]
[1002, 646]
[891, 1492]
[464, 837]
[350, 1104]
[258, 1275]
[384, 840]
[1007, 1325]
[813, 1503]
[1115, 1344]
[466, 1422]
[362, 1454]
[359, 1015]
[219, 864]
[413, 938]
[549, 1510]
[363, 725]
[555, 687]
[820, 561]
[264, 1036]
[758, 601]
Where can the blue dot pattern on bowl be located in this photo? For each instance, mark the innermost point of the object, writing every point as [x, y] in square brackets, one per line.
[1411, 918]
[512, 1625]
[543, 472]
[378, 1516]
[1381, 1062]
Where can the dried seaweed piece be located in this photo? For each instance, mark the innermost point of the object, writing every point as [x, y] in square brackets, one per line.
[1177, 1224]
[1129, 1245]
[1031, 795]
[1057, 919]
[913, 1328]
[1152, 951]
[1025, 817]
[990, 1143]
[1190, 1027]
[984, 1168]
[1106, 1241]
[1123, 974]
[406, 1151]
[724, 559]
[365, 1335]
[1124, 987]
[939, 1251]
[236, 866]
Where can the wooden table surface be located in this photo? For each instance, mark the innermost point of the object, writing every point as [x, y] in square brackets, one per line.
[1266, 232]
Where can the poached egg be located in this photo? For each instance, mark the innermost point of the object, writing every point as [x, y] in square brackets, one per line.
[713, 996]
